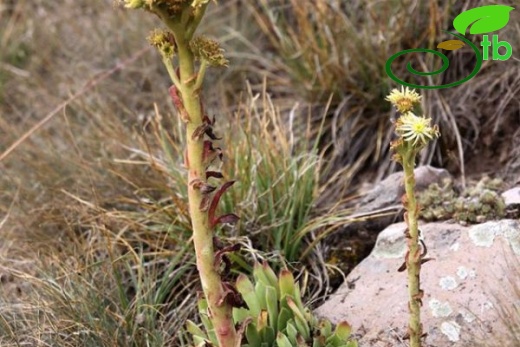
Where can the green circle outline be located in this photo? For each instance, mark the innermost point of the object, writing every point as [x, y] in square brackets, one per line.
[445, 65]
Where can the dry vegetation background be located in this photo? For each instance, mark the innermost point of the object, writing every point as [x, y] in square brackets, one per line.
[94, 246]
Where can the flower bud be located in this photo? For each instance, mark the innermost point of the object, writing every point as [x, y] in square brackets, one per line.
[208, 50]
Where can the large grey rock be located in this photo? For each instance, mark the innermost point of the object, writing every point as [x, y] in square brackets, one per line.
[381, 205]
[467, 287]
[389, 191]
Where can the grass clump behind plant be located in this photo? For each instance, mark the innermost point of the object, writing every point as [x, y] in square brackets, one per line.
[278, 178]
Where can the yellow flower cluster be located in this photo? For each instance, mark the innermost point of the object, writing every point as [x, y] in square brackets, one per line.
[208, 50]
[172, 7]
[411, 129]
[164, 41]
[403, 99]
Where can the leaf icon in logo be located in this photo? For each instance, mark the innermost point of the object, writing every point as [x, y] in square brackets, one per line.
[451, 45]
[485, 19]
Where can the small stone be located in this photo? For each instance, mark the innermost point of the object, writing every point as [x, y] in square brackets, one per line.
[511, 197]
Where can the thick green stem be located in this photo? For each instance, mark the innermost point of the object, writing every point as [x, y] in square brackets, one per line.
[413, 260]
[220, 311]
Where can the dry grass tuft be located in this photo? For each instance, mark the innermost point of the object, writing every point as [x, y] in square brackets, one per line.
[310, 51]
[95, 247]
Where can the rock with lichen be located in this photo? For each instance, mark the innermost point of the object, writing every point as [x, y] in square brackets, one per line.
[470, 287]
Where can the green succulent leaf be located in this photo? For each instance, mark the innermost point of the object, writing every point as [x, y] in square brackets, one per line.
[283, 317]
[292, 333]
[199, 341]
[272, 306]
[283, 341]
[298, 297]
[286, 283]
[325, 328]
[274, 316]
[195, 330]
[334, 340]
[246, 288]
[343, 330]
[208, 326]
[252, 336]
[269, 335]
[300, 323]
[483, 19]
[202, 305]
[209, 331]
[261, 294]
[241, 314]
[319, 341]
[269, 273]
[296, 310]
[263, 273]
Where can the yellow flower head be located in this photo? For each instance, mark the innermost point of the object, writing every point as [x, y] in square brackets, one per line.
[134, 3]
[403, 99]
[416, 130]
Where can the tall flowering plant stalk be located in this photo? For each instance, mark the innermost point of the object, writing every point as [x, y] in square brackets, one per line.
[186, 58]
[413, 134]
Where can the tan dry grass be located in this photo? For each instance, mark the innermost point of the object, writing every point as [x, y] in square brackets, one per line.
[97, 191]
[92, 193]
[320, 48]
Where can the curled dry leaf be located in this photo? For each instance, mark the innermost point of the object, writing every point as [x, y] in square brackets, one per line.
[204, 188]
[177, 101]
[214, 202]
[204, 203]
[231, 296]
[210, 153]
[214, 174]
[230, 218]
[200, 131]
[222, 259]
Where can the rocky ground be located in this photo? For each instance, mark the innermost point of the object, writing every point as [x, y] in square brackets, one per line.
[471, 287]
